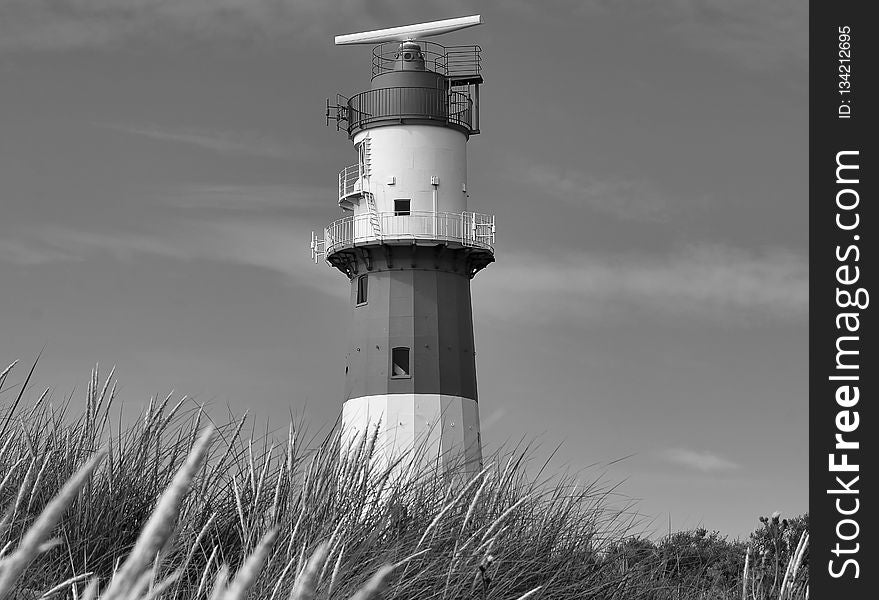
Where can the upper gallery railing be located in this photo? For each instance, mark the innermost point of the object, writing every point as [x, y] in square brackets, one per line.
[466, 228]
[456, 62]
[390, 104]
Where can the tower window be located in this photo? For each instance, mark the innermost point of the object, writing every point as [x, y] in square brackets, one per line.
[362, 288]
[400, 362]
[362, 149]
[402, 207]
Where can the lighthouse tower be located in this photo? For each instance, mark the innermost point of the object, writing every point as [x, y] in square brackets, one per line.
[409, 245]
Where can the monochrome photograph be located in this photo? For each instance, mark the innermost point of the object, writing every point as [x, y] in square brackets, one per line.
[376, 299]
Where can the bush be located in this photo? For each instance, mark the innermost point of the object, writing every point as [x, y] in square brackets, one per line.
[772, 549]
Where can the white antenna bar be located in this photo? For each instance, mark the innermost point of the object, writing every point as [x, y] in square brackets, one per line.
[409, 32]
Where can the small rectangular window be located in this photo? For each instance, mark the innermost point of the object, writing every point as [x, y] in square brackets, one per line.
[400, 362]
[402, 206]
[362, 288]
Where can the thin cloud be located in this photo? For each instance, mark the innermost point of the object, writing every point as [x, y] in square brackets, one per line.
[626, 199]
[278, 245]
[270, 229]
[755, 34]
[706, 462]
[31, 252]
[246, 197]
[698, 281]
[493, 418]
[63, 24]
[713, 283]
[222, 142]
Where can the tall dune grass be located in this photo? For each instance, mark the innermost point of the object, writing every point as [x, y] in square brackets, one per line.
[174, 505]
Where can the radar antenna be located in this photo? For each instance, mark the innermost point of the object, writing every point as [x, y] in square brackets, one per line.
[409, 32]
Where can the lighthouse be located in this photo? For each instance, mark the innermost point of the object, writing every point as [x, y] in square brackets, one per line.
[409, 245]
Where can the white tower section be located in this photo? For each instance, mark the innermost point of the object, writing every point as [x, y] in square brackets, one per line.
[424, 164]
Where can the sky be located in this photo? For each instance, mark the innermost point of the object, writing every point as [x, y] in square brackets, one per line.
[162, 166]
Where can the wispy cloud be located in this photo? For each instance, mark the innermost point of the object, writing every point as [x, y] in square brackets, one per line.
[246, 197]
[759, 35]
[627, 199]
[223, 142]
[62, 24]
[267, 226]
[756, 34]
[28, 252]
[277, 245]
[716, 283]
[706, 462]
[45, 25]
[698, 281]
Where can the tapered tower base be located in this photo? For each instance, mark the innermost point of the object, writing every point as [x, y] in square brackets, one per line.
[433, 429]
[411, 368]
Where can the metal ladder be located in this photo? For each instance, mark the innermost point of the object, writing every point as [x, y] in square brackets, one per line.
[374, 219]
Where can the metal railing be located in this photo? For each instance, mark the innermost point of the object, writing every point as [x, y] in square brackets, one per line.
[451, 61]
[351, 181]
[453, 107]
[461, 61]
[466, 228]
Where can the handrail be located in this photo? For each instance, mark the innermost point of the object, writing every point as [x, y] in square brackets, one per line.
[467, 228]
[452, 106]
[451, 61]
[460, 61]
[351, 181]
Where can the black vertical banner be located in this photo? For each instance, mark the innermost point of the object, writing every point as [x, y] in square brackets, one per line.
[844, 225]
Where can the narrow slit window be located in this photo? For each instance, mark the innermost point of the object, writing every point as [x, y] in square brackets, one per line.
[362, 163]
[402, 207]
[362, 289]
[400, 362]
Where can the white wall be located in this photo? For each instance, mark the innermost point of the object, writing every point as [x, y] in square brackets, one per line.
[446, 426]
[411, 154]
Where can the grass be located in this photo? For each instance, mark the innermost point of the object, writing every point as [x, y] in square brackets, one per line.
[176, 505]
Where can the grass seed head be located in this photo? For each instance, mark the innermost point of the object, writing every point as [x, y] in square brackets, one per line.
[13, 566]
[161, 523]
[307, 581]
